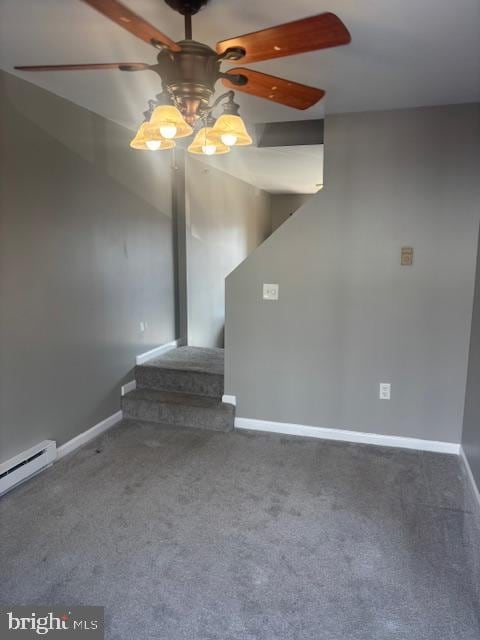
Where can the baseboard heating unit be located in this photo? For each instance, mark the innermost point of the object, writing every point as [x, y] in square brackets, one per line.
[26, 464]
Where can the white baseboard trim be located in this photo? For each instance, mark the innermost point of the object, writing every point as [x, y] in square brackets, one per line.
[230, 400]
[128, 386]
[469, 474]
[88, 435]
[154, 353]
[346, 436]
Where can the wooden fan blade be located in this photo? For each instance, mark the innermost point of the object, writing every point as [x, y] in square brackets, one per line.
[309, 34]
[132, 22]
[292, 94]
[124, 66]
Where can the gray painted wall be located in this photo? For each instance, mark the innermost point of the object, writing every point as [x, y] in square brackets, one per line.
[226, 220]
[283, 205]
[349, 316]
[86, 253]
[471, 420]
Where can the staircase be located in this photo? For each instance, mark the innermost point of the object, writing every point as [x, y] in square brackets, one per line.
[183, 388]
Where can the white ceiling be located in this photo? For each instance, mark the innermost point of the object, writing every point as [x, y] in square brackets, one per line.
[403, 53]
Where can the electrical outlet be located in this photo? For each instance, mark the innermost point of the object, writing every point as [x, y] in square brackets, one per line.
[270, 291]
[385, 388]
[142, 327]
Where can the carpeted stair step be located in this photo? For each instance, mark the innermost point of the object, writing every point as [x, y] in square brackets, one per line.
[186, 370]
[165, 379]
[179, 409]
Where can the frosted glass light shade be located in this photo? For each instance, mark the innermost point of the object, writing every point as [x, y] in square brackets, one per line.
[207, 142]
[141, 140]
[167, 121]
[230, 127]
[138, 141]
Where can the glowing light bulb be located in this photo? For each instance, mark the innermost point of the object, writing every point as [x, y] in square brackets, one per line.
[209, 149]
[229, 139]
[168, 131]
[153, 145]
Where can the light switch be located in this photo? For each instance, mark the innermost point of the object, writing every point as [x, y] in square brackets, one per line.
[384, 393]
[406, 257]
[270, 291]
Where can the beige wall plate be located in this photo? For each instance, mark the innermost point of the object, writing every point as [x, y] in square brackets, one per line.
[406, 259]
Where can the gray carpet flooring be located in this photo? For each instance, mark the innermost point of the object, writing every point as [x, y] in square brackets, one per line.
[196, 535]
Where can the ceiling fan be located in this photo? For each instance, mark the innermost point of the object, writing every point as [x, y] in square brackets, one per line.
[189, 69]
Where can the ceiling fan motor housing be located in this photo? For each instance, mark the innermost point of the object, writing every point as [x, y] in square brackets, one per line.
[186, 7]
[190, 75]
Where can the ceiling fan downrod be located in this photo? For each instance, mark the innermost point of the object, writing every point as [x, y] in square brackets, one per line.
[187, 8]
[188, 26]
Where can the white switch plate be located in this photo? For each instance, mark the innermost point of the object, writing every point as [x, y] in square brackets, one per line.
[385, 388]
[142, 327]
[270, 291]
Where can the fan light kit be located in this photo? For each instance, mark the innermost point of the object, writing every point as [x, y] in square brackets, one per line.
[189, 71]
[164, 122]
